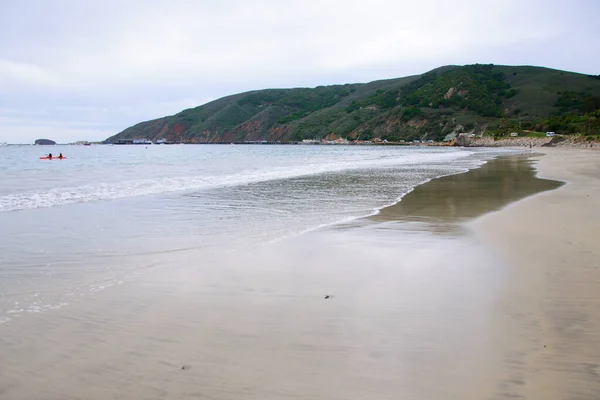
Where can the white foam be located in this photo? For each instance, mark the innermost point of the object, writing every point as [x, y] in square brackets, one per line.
[35, 307]
[375, 210]
[140, 187]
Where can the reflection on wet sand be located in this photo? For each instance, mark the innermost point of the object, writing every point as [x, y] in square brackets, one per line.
[457, 198]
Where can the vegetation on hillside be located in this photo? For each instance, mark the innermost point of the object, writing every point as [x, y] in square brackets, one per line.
[474, 87]
[473, 98]
[298, 102]
[577, 112]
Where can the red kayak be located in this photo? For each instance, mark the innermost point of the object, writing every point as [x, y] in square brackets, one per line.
[53, 158]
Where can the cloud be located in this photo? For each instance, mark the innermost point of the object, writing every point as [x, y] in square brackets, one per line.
[18, 73]
[137, 59]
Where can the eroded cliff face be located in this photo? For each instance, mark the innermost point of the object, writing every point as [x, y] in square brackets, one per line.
[171, 132]
[279, 133]
[248, 131]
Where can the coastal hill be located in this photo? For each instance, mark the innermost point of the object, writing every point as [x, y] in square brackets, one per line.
[479, 98]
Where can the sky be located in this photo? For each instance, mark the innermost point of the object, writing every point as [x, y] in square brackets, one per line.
[85, 70]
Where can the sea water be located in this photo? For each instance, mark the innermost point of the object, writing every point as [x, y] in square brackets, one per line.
[106, 214]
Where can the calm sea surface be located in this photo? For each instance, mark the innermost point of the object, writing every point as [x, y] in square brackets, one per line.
[105, 214]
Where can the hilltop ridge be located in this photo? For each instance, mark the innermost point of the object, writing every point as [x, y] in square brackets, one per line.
[479, 98]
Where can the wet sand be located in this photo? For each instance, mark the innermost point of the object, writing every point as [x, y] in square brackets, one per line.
[421, 306]
[447, 202]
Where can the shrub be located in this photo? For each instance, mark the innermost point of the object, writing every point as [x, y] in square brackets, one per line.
[410, 113]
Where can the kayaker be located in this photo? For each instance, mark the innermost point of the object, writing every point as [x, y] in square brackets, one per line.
[60, 156]
[49, 156]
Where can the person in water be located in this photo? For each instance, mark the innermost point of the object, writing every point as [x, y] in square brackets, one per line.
[49, 156]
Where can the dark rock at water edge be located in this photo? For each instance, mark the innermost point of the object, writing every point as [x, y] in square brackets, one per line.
[45, 142]
[463, 140]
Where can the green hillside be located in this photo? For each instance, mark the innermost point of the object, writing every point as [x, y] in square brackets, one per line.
[473, 98]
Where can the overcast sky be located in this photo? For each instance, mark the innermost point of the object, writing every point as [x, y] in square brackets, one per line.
[84, 70]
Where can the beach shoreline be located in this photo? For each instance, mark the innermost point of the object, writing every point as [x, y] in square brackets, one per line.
[418, 301]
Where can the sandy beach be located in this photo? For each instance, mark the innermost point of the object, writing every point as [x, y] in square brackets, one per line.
[552, 330]
[431, 299]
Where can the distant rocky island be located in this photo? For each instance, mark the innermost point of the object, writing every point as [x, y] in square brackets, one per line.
[45, 142]
[480, 100]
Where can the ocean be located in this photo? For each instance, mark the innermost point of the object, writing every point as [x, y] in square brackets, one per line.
[107, 214]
